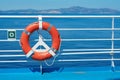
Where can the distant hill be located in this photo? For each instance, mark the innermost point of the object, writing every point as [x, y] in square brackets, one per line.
[70, 10]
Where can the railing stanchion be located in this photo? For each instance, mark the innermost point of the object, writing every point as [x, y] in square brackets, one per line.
[112, 46]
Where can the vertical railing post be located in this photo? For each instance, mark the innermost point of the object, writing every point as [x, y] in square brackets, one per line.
[112, 36]
[40, 28]
[40, 22]
[112, 46]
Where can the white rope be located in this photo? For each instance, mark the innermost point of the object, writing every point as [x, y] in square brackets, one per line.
[53, 61]
[54, 58]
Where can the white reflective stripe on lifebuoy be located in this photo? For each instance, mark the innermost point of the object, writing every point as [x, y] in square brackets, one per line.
[30, 53]
[28, 33]
[49, 28]
[53, 49]
[46, 47]
[51, 52]
[33, 49]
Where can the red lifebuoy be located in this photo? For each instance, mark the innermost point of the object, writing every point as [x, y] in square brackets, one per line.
[24, 40]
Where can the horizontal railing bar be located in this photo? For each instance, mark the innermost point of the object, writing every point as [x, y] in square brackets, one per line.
[12, 55]
[61, 60]
[87, 29]
[72, 29]
[54, 16]
[66, 50]
[87, 49]
[10, 29]
[11, 51]
[68, 39]
[88, 39]
[20, 16]
[77, 53]
[77, 60]
[14, 61]
[2, 40]
[89, 16]
[82, 39]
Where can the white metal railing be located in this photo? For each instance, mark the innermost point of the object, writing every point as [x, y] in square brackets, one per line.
[14, 61]
[73, 29]
[69, 16]
[104, 39]
[74, 60]
[39, 17]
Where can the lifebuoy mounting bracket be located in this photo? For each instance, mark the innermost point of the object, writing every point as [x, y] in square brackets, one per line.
[40, 43]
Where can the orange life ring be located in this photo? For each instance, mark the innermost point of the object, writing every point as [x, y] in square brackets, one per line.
[24, 40]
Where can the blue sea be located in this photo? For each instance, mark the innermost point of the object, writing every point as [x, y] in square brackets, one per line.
[63, 62]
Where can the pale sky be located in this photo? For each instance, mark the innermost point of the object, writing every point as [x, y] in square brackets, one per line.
[54, 4]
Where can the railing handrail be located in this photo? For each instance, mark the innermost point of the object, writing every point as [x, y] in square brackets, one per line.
[60, 16]
[61, 29]
[78, 39]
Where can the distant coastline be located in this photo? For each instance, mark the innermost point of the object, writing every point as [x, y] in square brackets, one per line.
[70, 10]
